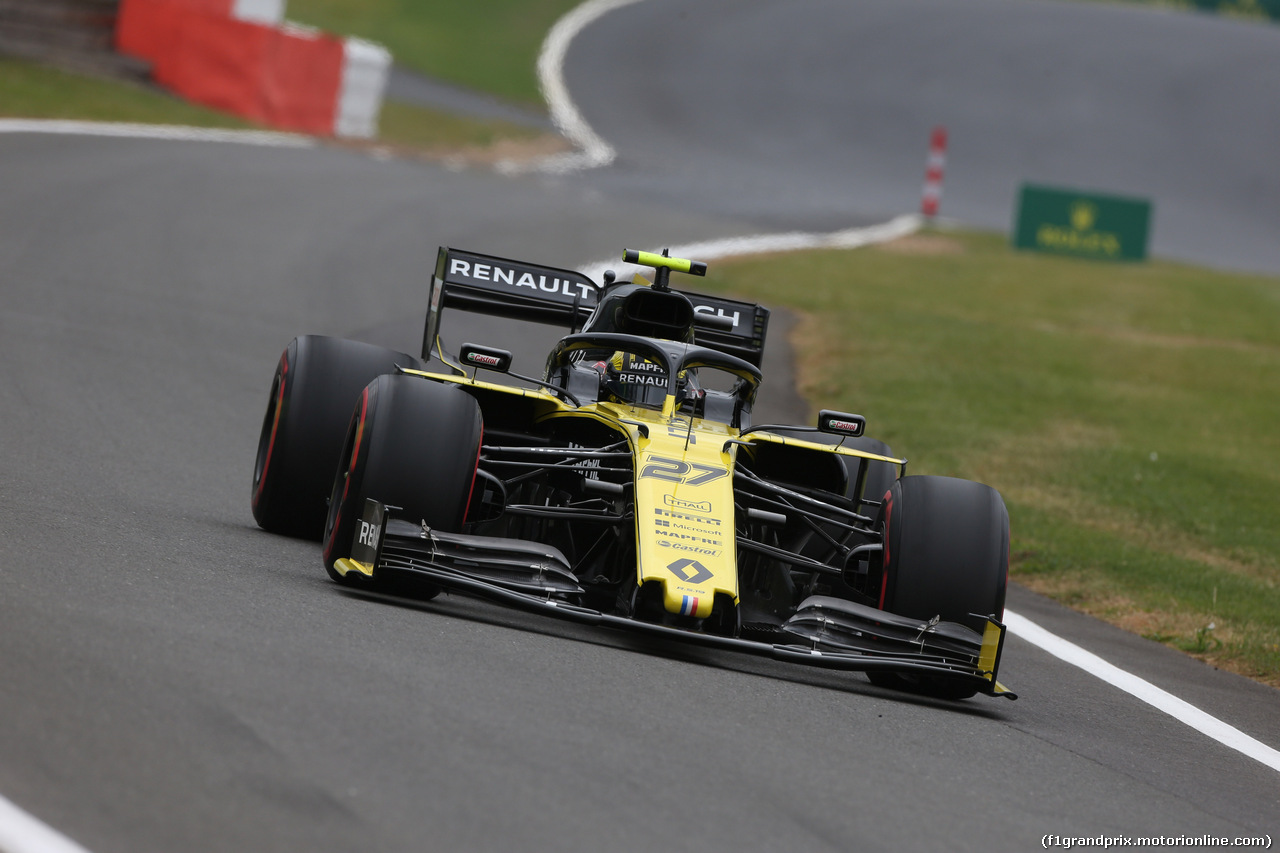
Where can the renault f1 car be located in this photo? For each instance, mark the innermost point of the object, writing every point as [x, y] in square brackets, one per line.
[627, 487]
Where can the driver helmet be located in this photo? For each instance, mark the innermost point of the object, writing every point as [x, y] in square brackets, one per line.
[629, 378]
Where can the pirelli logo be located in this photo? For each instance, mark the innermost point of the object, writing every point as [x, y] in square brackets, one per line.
[682, 516]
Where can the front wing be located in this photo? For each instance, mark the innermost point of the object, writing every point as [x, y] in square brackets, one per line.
[828, 632]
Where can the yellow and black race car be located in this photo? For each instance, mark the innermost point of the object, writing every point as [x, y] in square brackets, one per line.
[627, 487]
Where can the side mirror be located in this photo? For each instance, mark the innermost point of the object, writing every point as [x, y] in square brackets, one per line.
[499, 361]
[840, 423]
[488, 358]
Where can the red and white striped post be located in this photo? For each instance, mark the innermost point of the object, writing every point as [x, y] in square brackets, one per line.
[933, 172]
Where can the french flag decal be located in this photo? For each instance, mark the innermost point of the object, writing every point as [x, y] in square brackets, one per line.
[689, 606]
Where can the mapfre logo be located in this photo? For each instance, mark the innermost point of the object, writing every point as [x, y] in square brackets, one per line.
[692, 506]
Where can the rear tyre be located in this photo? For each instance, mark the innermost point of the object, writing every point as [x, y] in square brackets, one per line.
[947, 555]
[412, 443]
[316, 381]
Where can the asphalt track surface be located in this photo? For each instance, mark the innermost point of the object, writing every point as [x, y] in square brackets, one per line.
[173, 678]
[815, 113]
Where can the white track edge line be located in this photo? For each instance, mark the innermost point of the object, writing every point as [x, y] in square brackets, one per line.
[22, 833]
[128, 130]
[592, 150]
[1161, 700]
[790, 241]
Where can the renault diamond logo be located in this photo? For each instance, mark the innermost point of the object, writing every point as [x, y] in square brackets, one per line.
[690, 571]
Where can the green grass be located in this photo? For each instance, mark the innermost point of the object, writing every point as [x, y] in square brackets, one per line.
[427, 129]
[1127, 413]
[28, 90]
[491, 45]
[1259, 10]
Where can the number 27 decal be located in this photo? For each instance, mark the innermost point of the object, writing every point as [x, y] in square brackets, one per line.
[679, 471]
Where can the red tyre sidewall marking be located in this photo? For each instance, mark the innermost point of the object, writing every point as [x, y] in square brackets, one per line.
[275, 428]
[466, 509]
[351, 469]
[1005, 587]
[888, 516]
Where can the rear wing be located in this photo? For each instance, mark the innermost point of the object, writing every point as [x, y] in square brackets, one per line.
[499, 287]
[745, 338]
[484, 284]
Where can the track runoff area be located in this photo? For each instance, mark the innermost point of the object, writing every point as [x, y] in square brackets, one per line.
[22, 833]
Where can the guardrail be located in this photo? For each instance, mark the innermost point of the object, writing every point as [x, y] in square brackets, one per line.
[77, 34]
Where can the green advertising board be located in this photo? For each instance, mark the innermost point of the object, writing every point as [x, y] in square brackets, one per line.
[1090, 225]
[1237, 8]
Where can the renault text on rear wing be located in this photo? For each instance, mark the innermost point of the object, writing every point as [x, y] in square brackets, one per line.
[501, 287]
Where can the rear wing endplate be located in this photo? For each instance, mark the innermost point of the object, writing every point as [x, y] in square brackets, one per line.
[745, 338]
[499, 287]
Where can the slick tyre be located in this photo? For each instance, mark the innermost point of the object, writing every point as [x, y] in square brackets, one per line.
[947, 555]
[316, 382]
[412, 443]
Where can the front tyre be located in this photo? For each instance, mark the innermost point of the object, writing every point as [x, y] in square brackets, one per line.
[412, 443]
[946, 554]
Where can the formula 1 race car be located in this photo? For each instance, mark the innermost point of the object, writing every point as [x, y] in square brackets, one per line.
[627, 486]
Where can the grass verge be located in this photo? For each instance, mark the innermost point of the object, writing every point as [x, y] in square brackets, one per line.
[1253, 10]
[1127, 414]
[31, 90]
[491, 45]
[417, 130]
